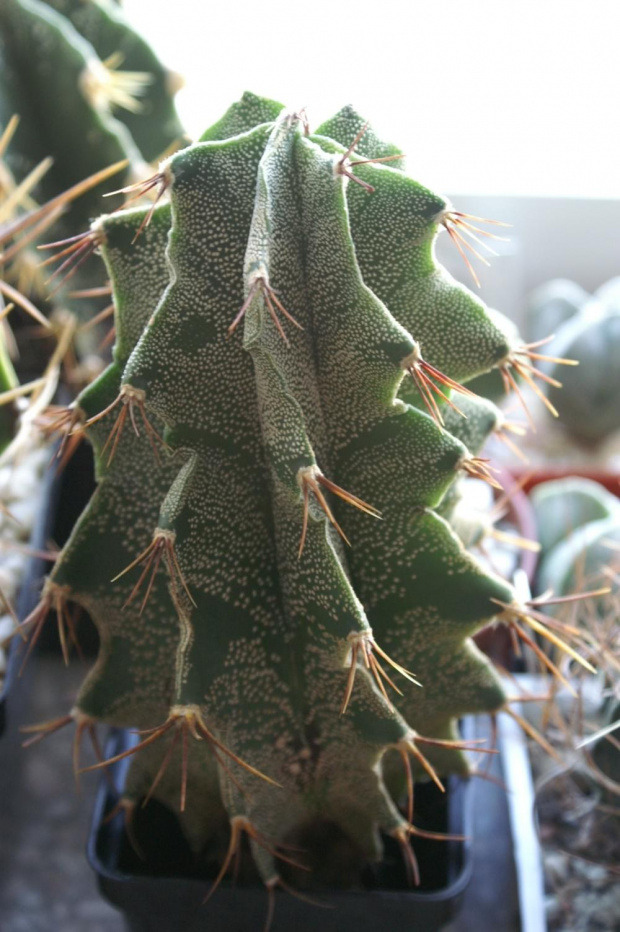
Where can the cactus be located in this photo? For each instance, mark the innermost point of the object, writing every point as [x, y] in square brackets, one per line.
[264, 557]
[552, 304]
[564, 505]
[54, 80]
[586, 396]
[150, 117]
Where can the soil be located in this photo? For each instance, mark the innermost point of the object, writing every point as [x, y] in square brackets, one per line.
[579, 833]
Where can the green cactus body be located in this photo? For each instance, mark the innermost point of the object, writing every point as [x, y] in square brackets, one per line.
[152, 119]
[263, 635]
[54, 80]
[588, 400]
[52, 61]
[563, 505]
[475, 421]
[551, 305]
[580, 557]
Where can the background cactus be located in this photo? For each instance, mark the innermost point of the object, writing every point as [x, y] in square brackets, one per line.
[68, 64]
[286, 349]
[586, 329]
[52, 178]
[587, 400]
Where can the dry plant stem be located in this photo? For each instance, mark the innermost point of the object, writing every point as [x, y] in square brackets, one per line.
[21, 301]
[9, 230]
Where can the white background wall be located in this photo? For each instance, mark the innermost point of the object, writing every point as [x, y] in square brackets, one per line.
[513, 103]
[576, 238]
[490, 96]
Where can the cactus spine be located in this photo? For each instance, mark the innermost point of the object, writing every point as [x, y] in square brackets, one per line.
[235, 469]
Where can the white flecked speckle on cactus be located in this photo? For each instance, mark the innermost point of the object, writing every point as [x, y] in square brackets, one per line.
[277, 596]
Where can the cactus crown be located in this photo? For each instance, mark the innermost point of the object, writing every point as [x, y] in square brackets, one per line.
[277, 594]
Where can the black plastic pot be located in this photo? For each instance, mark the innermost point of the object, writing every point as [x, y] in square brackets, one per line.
[7, 682]
[157, 897]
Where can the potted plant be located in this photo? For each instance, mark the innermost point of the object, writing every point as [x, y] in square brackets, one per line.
[573, 772]
[287, 380]
[250, 645]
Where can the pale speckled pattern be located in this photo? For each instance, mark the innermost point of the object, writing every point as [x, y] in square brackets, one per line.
[262, 650]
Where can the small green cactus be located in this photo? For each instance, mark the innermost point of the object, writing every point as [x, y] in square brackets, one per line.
[586, 397]
[586, 334]
[280, 603]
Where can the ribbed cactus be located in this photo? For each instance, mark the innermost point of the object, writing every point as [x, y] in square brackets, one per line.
[88, 92]
[263, 557]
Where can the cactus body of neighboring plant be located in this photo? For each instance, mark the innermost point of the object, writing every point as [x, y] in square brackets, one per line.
[88, 92]
[563, 505]
[150, 116]
[587, 400]
[586, 330]
[280, 322]
[551, 305]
